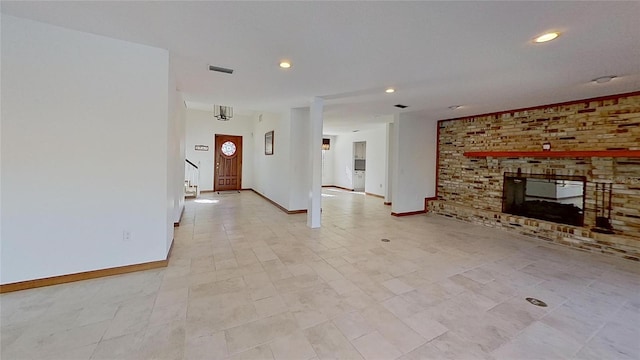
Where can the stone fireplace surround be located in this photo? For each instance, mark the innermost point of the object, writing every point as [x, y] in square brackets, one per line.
[595, 138]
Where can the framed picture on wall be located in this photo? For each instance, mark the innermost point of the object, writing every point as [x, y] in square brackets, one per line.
[268, 143]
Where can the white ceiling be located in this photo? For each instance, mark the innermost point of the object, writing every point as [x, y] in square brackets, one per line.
[436, 54]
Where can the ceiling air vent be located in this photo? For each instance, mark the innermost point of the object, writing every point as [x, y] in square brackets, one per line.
[400, 106]
[220, 69]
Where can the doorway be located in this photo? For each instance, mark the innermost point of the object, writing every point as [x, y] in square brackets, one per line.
[227, 172]
[359, 165]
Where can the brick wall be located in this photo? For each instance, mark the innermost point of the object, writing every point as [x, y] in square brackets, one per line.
[470, 184]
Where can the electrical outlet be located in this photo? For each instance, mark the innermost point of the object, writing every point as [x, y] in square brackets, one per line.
[126, 235]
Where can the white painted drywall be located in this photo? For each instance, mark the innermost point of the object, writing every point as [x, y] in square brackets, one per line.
[389, 159]
[175, 156]
[376, 159]
[314, 163]
[328, 161]
[343, 160]
[201, 130]
[271, 172]
[84, 151]
[299, 172]
[376, 152]
[414, 165]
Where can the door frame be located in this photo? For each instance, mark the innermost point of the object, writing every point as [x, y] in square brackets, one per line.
[216, 152]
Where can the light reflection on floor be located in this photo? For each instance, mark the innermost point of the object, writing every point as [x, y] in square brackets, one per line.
[207, 201]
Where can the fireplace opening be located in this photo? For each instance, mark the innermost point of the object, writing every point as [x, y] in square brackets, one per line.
[556, 198]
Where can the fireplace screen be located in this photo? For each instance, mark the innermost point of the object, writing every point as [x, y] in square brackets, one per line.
[556, 198]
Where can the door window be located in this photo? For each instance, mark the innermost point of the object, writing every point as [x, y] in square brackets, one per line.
[228, 148]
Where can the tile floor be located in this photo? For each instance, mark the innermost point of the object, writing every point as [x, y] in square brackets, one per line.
[246, 281]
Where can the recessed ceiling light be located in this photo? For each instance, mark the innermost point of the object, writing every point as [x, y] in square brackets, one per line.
[390, 90]
[285, 64]
[455, 107]
[546, 37]
[604, 79]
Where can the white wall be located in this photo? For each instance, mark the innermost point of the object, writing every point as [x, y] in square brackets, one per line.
[343, 160]
[376, 153]
[201, 130]
[175, 156]
[299, 176]
[329, 162]
[84, 151]
[390, 158]
[284, 176]
[271, 172]
[414, 162]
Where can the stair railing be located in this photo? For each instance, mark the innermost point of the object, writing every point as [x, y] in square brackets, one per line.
[192, 176]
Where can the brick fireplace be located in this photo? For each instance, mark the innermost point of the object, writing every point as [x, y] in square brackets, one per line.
[595, 140]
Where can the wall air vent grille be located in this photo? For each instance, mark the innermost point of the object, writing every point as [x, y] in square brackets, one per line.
[400, 106]
[220, 69]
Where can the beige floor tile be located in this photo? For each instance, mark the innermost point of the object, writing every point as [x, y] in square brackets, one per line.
[397, 286]
[425, 325]
[260, 285]
[394, 330]
[597, 349]
[518, 311]
[206, 347]
[270, 306]
[329, 343]
[325, 271]
[176, 312]
[127, 323]
[301, 269]
[353, 325]
[307, 318]
[162, 342]
[222, 312]
[262, 352]
[165, 298]
[293, 346]
[401, 308]
[450, 346]
[96, 313]
[623, 336]
[217, 288]
[371, 288]
[439, 289]
[81, 353]
[258, 332]
[202, 264]
[580, 327]
[373, 346]
[295, 283]
[119, 347]
[539, 341]
[71, 339]
[342, 286]
[489, 332]
[358, 299]
[479, 275]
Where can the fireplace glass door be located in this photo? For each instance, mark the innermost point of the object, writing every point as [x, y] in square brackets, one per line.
[556, 198]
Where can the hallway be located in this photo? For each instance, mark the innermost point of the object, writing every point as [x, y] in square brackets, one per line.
[247, 281]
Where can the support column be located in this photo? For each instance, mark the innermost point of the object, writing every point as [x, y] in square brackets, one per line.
[395, 164]
[389, 161]
[315, 163]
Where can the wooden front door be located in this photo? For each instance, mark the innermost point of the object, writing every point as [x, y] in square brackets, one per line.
[227, 172]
